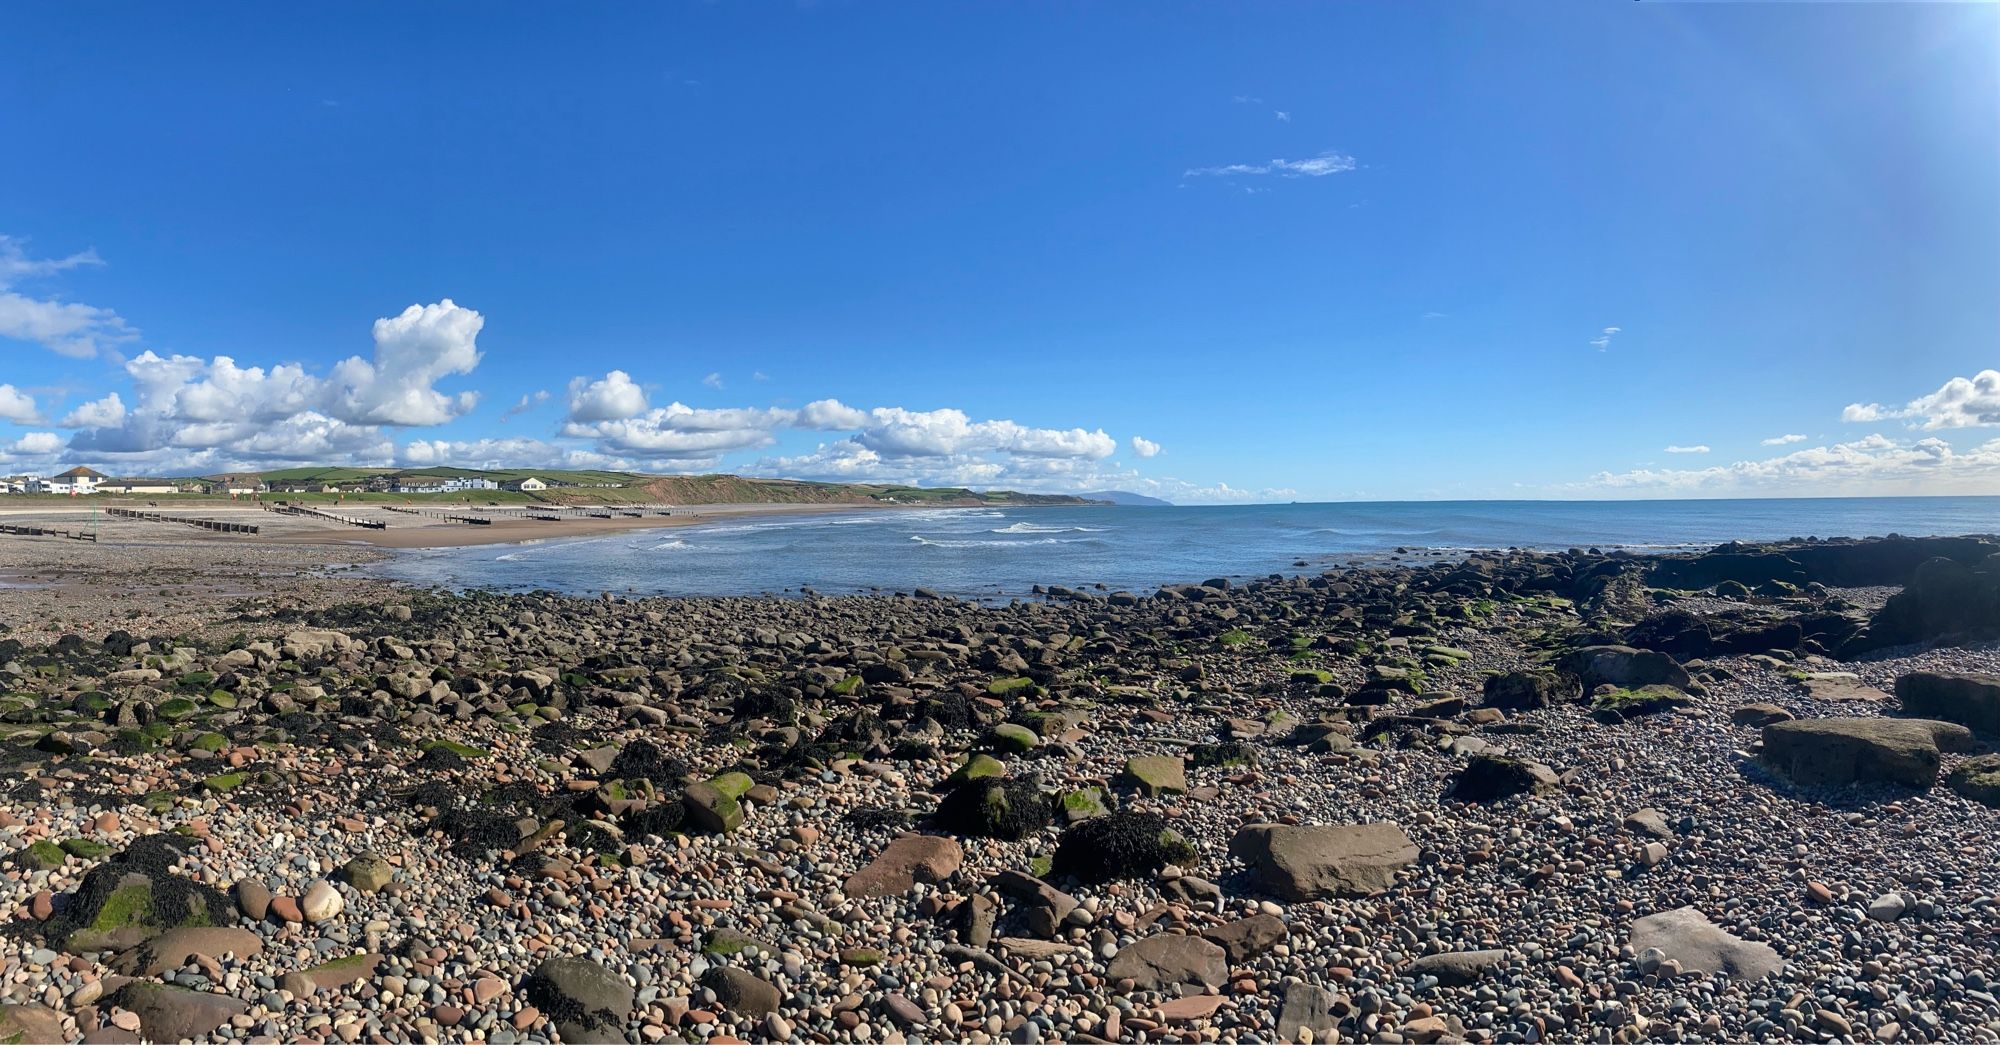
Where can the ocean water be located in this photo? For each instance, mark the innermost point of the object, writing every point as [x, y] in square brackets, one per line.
[996, 553]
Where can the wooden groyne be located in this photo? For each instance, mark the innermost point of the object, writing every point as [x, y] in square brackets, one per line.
[205, 524]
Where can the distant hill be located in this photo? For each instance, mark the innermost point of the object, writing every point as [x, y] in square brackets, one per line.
[1127, 498]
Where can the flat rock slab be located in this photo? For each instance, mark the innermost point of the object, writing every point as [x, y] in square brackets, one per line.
[1840, 685]
[176, 1013]
[1459, 968]
[1246, 938]
[1685, 935]
[587, 1001]
[1849, 750]
[1191, 1008]
[1970, 700]
[1157, 774]
[1157, 962]
[907, 860]
[1315, 861]
[171, 949]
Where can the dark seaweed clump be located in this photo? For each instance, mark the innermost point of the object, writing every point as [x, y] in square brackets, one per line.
[1121, 845]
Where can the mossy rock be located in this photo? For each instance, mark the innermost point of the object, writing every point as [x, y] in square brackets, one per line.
[1157, 774]
[41, 856]
[1230, 755]
[85, 848]
[1235, 637]
[1122, 845]
[222, 698]
[158, 802]
[1621, 704]
[1083, 804]
[735, 785]
[1041, 864]
[977, 766]
[725, 942]
[222, 783]
[195, 680]
[862, 957]
[847, 687]
[1012, 738]
[97, 702]
[210, 742]
[1009, 686]
[176, 709]
[456, 748]
[1978, 778]
[994, 807]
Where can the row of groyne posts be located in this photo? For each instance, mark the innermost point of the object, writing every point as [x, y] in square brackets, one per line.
[12, 530]
[204, 524]
[284, 508]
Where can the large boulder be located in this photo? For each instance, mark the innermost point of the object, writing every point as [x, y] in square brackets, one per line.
[1316, 861]
[175, 1013]
[1849, 750]
[1978, 778]
[908, 860]
[740, 991]
[135, 896]
[1967, 699]
[1685, 935]
[171, 949]
[1489, 778]
[1624, 667]
[1528, 690]
[994, 807]
[585, 1000]
[1944, 600]
[1158, 962]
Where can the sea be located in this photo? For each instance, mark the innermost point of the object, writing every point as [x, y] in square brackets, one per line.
[995, 554]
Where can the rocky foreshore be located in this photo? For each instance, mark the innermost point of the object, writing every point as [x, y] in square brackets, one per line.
[1744, 795]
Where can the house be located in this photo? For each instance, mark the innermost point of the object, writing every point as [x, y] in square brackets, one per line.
[18, 483]
[138, 486]
[80, 481]
[234, 485]
[529, 484]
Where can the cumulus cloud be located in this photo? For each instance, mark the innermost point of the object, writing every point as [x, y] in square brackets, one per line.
[613, 397]
[1687, 449]
[1144, 447]
[502, 453]
[1603, 340]
[286, 413]
[36, 444]
[107, 412]
[1876, 465]
[17, 406]
[1962, 402]
[679, 431]
[1784, 440]
[1317, 167]
[65, 327]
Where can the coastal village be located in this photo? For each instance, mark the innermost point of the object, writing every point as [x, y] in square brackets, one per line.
[85, 481]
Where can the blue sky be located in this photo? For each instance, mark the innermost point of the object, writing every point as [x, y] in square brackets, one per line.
[1295, 251]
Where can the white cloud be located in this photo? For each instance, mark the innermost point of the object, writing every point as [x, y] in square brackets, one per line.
[759, 375]
[528, 402]
[1318, 167]
[502, 453]
[36, 444]
[713, 381]
[1961, 403]
[1144, 447]
[831, 415]
[107, 412]
[1603, 340]
[67, 328]
[18, 406]
[679, 431]
[285, 413]
[1784, 440]
[1687, 449]
[1283, 117]
[1873, 466]
[413, 351]
[1863, 413]
[613, 397]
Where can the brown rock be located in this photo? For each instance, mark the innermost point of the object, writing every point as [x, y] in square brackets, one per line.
[907, 860]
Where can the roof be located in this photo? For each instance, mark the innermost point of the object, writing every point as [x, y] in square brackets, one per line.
[82, 472]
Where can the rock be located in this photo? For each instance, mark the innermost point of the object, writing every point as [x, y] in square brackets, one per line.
[1314, 862]
[710, 810]
[585, 1000]
[1967, 699]
[1685, 935]
[1847, 750]
[1945, 599]
[368, 873]
[1246, 938]
[1489, 778]
[1012, 738]
[1308, 1007]
[1157, 774]
[1157, 962]
[29, 1024]
[1191, 1007]
[993, 807]
[740, 991]
[1046, 906]
[321, 903]
[909, 859]
[1459, 968]
[1624, 667]
[171, 949]
[1978, 778]
[129, 898]
[1887, 907]
[340, 972]
[253, 898]
[1759, 715]
[1840, 686]
[174, 1013]
[286, 909]
[1648, 822]
[1529, 690]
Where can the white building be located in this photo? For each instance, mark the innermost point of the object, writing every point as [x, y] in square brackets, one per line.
[527, 485]
[77, 482]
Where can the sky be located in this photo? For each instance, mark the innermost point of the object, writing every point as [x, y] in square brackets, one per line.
[1210, 252]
